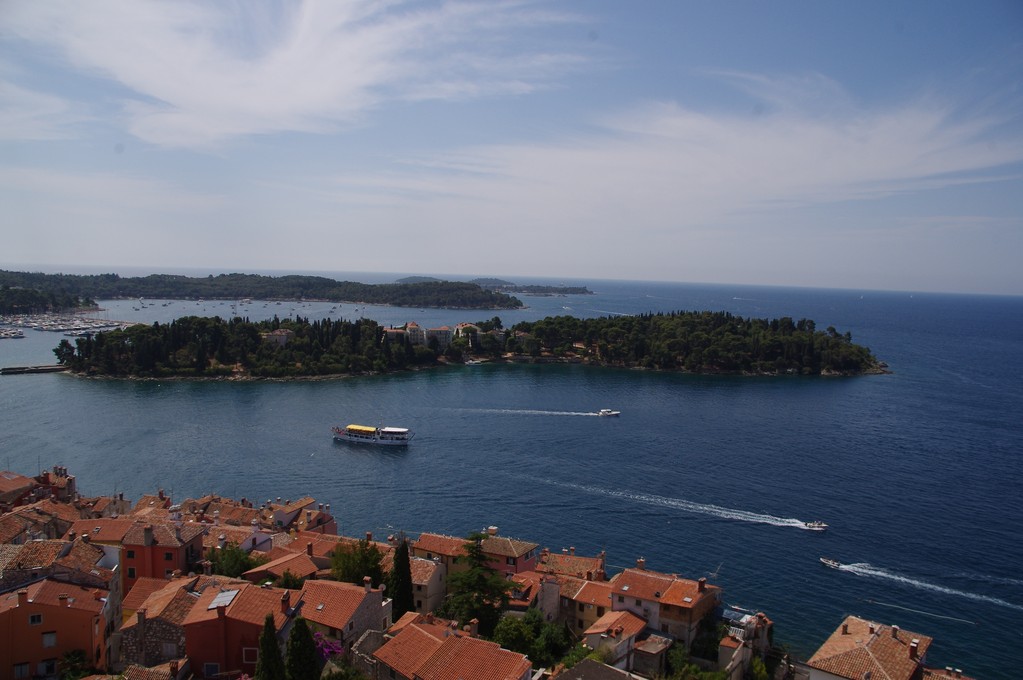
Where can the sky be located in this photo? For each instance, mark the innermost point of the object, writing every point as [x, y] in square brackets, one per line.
[863, 145]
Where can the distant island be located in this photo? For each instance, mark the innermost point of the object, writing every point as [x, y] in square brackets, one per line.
[23, 292]
[502, 286]
[690, 342]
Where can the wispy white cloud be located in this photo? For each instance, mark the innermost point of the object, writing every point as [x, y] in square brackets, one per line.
[28, 115]
[196, 74]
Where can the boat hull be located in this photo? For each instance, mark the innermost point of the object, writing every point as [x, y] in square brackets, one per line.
[380, 436]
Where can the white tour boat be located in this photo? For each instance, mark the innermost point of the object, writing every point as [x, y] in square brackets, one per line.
[365, 434]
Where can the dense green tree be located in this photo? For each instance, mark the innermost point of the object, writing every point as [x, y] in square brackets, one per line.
[352, 562]
[400, 586]
[289, 581]
[74, 665]
[478, 592]
[231, 560]
[269, 664]
[302, 661]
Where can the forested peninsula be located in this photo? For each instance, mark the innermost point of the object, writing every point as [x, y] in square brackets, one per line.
[692, 342]
[23, 292]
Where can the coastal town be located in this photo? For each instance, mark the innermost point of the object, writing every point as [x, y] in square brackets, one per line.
[110, 587]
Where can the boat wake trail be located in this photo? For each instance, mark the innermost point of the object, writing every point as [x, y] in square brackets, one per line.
[864, 569]
[921, 611]
[688, 506]
[530, 412]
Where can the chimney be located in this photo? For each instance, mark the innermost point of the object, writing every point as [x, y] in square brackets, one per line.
[147, 535]
[173, 667]
[474, 627]
[63, 598]
[160, 494]
[571, 550]
[871, 628]
[701, 585]
[641, 563]
[589, 576]
[22, 597]
[285, 602]
[321, 507]
[895, 632]
[328, 508]
[221, 611]
[914, 648]
[309, 548]
[86, 538]
[369, 536]
[492, 530]
[207, 567]
[845, 629]
[308, 516]
[367, 583]
[71, 535]
[222, 541]
[120, 496]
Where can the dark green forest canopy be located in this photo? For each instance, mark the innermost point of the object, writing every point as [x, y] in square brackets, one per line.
[451, 294]
[694, 342]
[31, 301]
[704, 342]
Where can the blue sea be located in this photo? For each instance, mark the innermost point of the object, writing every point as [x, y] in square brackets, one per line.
[918, 473]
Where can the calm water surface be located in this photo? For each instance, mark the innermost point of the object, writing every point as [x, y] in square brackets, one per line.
[918, 473]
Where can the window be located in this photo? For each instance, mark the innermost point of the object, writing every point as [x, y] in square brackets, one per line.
[130, 555]
[20, 670]
[391, 674]
[210, 669]
[249, 654]
[510, 561]
[351, 625]
[600, 611]
[579, 623]
[419, 605]
[50, 639]
[168, 556]
[169, 650]
[131, 572]
[580, 606]
[621, 598]
[35, 619]
[638, 603]
[48, 667]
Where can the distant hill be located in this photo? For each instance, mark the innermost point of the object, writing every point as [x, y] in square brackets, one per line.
[491, 283]
[429, 293]
[419, 279]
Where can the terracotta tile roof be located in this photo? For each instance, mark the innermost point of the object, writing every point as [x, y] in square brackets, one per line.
[620, 624]
[149, 505]
[943, 674]
[8, 553]
[171, 604]
[133, 672]
[527, 587]
[422, 570]
[38, 554]
[164, 534]
[331, 603]
[663, 588]
[439, 544]
[300, 504]
[569, 565]
[858, 646]
[467, 658]
[12, 481]
[250, 604]
[408, 650]
[143, 588]
[597, 593]
[48, 592]
[103, 530]
[13, 525]
[507, 547]
[51, 508]
[83, 557]
[235, 535]
[298, 564]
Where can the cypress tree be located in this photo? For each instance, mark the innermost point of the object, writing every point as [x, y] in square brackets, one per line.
[303, 663]
[401, 583]
[269, 665]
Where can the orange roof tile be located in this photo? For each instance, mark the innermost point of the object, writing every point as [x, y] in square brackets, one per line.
[331, 603]
[422, 570]
[569, 565]
[408, 650]
[164, 533]
[38, 554]
[439, 544]
[467, 658]
[658, 587]
[298, 564]
[102, 530]
[143, 588]
[48, 592]
[619, 624]
[250, 604]
[12, 481]
[507, 547]
[858, 646]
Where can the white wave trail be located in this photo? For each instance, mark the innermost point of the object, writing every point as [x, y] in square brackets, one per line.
[531, 412]
[690, 506]
[865, 569]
